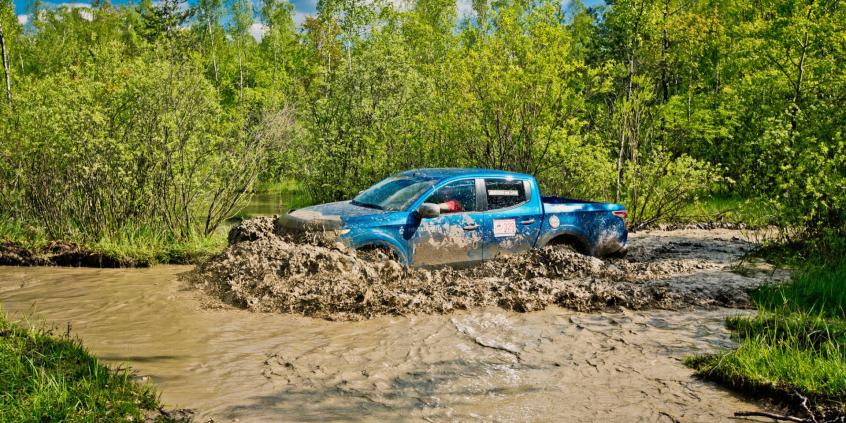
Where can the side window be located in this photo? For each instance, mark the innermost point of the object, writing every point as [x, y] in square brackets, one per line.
[455, 197]
[503, 193]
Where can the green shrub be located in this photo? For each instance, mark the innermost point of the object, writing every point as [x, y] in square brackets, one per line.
[661, 186]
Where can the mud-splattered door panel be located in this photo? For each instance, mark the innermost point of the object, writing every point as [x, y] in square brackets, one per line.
[448, 239]
[454, 236]
[513, 219]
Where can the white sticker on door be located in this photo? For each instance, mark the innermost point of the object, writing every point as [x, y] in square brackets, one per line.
[504, 227]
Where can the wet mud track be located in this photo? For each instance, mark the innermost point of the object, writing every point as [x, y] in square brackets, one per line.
[486, 363]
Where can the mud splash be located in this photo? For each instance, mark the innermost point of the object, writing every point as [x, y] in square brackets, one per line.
[666, 270]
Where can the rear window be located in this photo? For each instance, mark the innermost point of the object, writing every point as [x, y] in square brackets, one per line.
[503, 193]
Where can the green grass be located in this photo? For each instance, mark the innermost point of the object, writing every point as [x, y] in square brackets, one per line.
[138, 245]
[141, 245]
[817, 289]
[796, 344]
[49, 378]
[149, 247]
[728, 208]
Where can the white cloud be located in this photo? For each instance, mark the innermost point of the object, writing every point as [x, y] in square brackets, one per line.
[465, 8]
[73, 5]
[257, 30]
[86, 14]
[300, 17]
[84, 9]
[23, 19]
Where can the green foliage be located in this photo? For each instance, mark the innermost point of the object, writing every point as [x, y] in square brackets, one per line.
[162, 116]
[101, 147]
[53, 378]
[729, 208]
[661, 186]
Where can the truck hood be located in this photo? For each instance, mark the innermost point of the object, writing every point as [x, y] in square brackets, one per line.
[326, 216]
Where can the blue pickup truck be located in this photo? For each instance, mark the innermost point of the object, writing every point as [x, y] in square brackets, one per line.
[461, 216]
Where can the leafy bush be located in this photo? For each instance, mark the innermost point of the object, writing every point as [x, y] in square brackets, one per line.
[100, 147]
[661, 186]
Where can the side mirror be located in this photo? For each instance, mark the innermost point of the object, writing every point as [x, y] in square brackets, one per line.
[428, 210]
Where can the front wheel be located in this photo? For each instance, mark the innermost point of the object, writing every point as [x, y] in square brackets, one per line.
[376, 253]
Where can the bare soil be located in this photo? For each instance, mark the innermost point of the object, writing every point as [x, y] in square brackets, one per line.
[267, 272]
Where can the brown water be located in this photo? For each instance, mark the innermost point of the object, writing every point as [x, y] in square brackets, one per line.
[486, 364]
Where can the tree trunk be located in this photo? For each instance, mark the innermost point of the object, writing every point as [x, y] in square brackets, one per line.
[5, 55]
[800, 75]
[213, 52]
[240, 75]
[620, 159]
[665, 47]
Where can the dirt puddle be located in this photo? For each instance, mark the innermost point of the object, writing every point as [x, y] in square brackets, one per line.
[485, 364]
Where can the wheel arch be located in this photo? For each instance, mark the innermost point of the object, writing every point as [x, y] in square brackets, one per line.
[572, 238]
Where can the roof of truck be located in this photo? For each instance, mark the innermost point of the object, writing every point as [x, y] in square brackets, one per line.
[449, 172]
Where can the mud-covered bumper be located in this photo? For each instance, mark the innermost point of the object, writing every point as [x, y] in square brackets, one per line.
[327, 229]
[291, 222]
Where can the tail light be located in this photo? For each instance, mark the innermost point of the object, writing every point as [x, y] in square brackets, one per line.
[622, 214]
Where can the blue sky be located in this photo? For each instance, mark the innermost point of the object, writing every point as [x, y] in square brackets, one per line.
[301, 7]
[21, 6]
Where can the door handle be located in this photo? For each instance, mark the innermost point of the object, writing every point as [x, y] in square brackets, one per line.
[527, 221]
[470, 227]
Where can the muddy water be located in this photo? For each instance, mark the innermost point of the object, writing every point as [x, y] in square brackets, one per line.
[487, 364]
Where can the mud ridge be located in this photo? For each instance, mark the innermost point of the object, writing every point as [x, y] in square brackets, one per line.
[58, 253]
[266, 272]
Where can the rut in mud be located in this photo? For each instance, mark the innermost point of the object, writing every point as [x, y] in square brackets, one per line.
[264, 272]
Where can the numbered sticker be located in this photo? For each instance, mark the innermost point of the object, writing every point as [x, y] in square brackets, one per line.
[504, 227]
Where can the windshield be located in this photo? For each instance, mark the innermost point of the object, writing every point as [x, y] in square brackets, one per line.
[395, 193]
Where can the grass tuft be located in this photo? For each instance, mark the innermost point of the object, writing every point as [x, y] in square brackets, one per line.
[46, 377]
[795, 347]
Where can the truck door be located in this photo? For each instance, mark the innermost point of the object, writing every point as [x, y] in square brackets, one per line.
[454, 236]
[512, 218]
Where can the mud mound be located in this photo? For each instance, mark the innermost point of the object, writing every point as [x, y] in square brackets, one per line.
[312, 276]
[251, 230]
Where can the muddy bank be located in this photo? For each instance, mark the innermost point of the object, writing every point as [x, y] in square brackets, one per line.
[665, 270]
[58, 253]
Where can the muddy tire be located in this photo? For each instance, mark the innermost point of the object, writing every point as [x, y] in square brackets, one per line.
[619, 255]
[377, 253]
[572, 243]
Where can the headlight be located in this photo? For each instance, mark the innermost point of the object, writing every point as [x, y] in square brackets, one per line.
[343, 231]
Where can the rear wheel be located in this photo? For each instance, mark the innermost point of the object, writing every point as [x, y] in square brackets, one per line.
[571, 242]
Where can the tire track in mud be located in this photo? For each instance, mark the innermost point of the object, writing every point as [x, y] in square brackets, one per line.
[264, 272]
